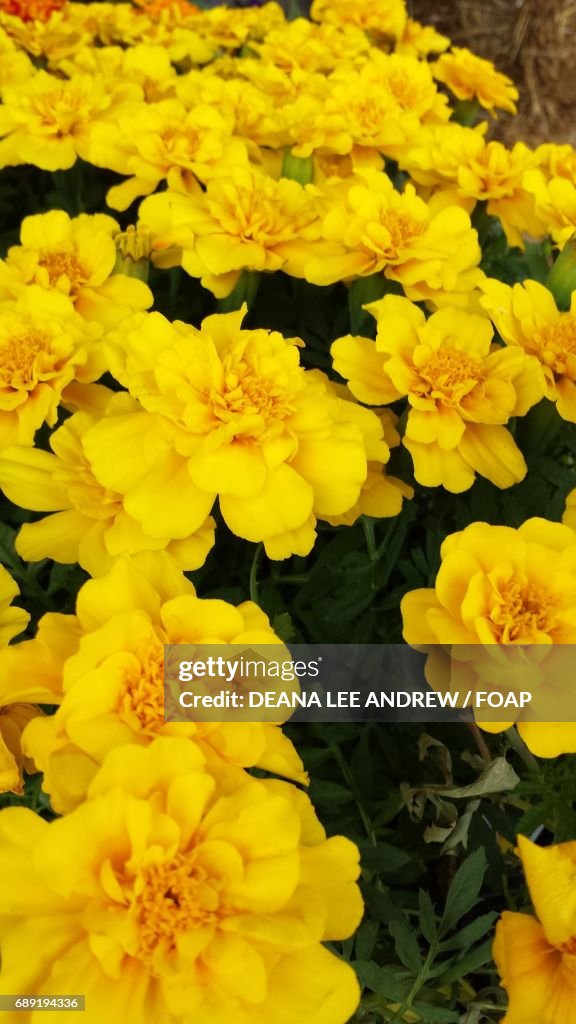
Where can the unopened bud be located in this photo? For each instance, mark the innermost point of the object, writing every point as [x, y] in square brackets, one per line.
[133, 248]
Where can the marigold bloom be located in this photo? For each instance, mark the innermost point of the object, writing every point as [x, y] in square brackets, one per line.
[380, 18]
[75, 257]
[44, 346]
[502, 586]
[536, 956]
[186, 903]
[496, 174]
[14, 715]
[47, 121]
[555, 204]
[243, 222]
[461, 390]
[159, 141]
[87, 522]
[369, 228]
[420, 40]
[15, 66]
[471, 77]
[526, 316]
[233, 414]
[107, 665]
[302, 44]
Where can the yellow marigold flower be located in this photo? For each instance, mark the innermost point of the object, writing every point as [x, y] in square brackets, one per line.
[558, 161]
[75, 257]
[256, 108]
[302, 44]
[155, 142]
[44, 346]
[461, 390]
[526, 315]
[435, 155]
[88, 522]
[236, 417]
[47, 121]
[555, 204]
[15, 66]
[148, 66]
[14, 715]
[535, 956]
[242, 222]
[186, 902]
[380, 18]
[369, 227]
[471, 77]
[409, 83]
[106, 666]
[496, 175]
[420, 40]
[231, 28]
[501, 586]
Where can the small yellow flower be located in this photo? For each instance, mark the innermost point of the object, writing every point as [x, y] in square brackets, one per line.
[230, 413]
[461, 390]
[555, 204]
[74, 257]
[368, 228]
[302, 44]
[496, 175]
[163, 141]
[421, 40]
[186, 902]
[107, 666]
[503, 587]
[470, 77]
[44, 346]
[526, 316]
[243, 222]
[48, 120]
[87, 522]
[381, 19]
[536, 956]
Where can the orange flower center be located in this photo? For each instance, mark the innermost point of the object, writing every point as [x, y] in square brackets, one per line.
[521, 612]
[175, 897]
[142, 698]
[23, 359]
[253, 404]
[448, 375]
[63, 264]
[556, 345]
[402, 229]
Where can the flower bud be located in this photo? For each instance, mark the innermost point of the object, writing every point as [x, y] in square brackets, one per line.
[133, 252]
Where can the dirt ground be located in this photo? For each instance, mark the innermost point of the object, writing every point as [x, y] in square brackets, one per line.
[533, 41]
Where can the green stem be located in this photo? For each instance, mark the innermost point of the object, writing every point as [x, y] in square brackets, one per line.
[244, 291]
[518, 745]
[419, 981]
[562, 277]
[253, 586]
[349, 779]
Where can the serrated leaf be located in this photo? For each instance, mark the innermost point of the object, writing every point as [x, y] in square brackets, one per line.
[464, 890]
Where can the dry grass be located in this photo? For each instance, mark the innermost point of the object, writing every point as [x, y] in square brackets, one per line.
[534, 41]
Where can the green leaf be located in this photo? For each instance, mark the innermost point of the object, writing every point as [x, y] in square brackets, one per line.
[406, 944]
[477, 957]
[366, 939]
[383, 858]
[428, 923]
[471, 933]
[383, 981]
[463, 893]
